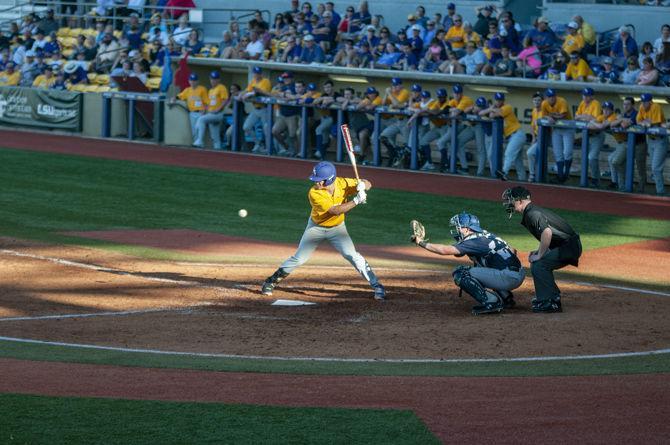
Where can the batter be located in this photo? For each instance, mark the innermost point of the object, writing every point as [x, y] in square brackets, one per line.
[328, 198]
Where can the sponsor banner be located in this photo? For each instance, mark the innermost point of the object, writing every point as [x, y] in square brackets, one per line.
[40, 108]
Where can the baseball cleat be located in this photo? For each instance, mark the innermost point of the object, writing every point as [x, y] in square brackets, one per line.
[267, 288]
[501, 175]
[547, 307]
[380, 292]
[488, 308]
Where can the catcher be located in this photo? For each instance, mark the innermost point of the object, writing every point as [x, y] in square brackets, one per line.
[496, 266]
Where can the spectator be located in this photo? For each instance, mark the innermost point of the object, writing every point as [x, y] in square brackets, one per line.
[74, 73]
[347, 55]
[448, 21]
[124, 69]
[279, 26]
[385, 36]
[542, 36]
[193, 45]
[29, 69]
[408, 59]
[226, 46]
[451, 65]
[348, 28]
[420, 14]
[474, 59]
[573, 41]
[292, 51]
[40, 42]
[49, 24]
[253, 49]
[107, 53]
[493, 43]
[608, 74]
[45, 80]
[362, 17]
[365, 56]
[504, 67]
[234, 28]
[389, 58]
[311, 52]
[10, 76]
[578, 69]
[307, 10]
[431, 31]
[646, 51]
[326, 32]
[630, 75]
[57, 60]
[52, 44]
[649, 74]
[456, 35]
[59, 84]
[258, 16]
[665, 37]
[508, 33]
[134, 37]
[529, 60]
[369, 37]
[416, 42]
[624, 46]
[432, 61]
[470, 35]
[587, 32]
[295, 8]
[182, 31]
[302, 25]
[139, 71]
[663, 64]
[484, 14]
[196, 99]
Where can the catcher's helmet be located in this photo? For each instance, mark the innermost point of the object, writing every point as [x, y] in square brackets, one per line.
[464, 220]
[324, 171]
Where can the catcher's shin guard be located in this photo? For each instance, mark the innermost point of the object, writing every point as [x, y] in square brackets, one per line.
[470, 285]
[272, 281]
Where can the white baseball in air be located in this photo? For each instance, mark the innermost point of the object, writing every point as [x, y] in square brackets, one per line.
[242, 213]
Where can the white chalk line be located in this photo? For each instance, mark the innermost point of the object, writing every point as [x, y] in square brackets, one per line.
[337, 359]
[88, 315]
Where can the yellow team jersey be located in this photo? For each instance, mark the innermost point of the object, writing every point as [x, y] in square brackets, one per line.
[41, 81]
[592, 109]
[443, 107]
[472, 37]
[561, 106]
[510, 122]
[654, 114]
[196, 98]
[573, 43]
[401, 96]
[535, 114]
[217, 96]
[463, 104]
[10, 79]
[263, 85]
[579, 69]
[377, 102]
[588, 33]
[321, 201]
[456, 32]
[619, 137]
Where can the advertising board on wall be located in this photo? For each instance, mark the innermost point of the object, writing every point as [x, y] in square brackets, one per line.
[40, 108]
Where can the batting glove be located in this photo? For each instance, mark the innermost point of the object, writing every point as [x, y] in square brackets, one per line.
[360, 198]
[360, 186]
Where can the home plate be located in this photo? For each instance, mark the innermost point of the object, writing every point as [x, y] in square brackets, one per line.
[291, 303]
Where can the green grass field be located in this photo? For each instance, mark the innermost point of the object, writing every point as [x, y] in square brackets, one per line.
[67, 420]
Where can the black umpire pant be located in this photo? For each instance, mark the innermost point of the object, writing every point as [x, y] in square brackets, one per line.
[554, 259]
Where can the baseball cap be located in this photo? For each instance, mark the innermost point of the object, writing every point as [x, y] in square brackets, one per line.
[451, 6]
[608, 104]
[396, 81]
[311, 86]
[257, 70]
[457, 89]
[425, 94]
[573, 25]
[371, 90]
[416, 88]
[371, 28]
[646, 97]
[441, 92]
[193, 76]
[499, 96]
[607, 60]
[411, 17]
[308, 38]
[550, 92]
[543, 19]
[481, 102]
[215, 75]
[416, 28]
[588, 91]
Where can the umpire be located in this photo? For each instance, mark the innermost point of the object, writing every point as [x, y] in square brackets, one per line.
[559, 246]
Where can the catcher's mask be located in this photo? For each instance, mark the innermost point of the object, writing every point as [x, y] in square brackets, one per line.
[463, 220]
[511, 195]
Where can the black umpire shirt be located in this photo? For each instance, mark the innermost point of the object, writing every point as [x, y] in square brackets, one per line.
[563, 236]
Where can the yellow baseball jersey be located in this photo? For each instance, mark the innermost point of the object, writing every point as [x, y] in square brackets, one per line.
[592, 109]
[579, 69]
[535, 114]
[41, 81]
[561, 106]
[463, 104]
[377, 102]
[654, 114]
[443, 107]
[196, 98]
[401, 96]
[472, 37]
[263, 85]
[619, 137]
[322, 200]
[454, 32]
[217, 96]
[10, 79]
[510, 122]
[573, 43]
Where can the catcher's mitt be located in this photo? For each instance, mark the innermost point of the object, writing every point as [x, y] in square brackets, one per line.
[418, 233]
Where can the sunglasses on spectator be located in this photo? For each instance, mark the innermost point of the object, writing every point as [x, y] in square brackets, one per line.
[350, 10]
[458, 21]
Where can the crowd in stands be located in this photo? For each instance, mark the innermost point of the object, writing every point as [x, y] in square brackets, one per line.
[127, 39]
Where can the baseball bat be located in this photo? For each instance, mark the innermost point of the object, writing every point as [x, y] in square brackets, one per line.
[350, 147]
